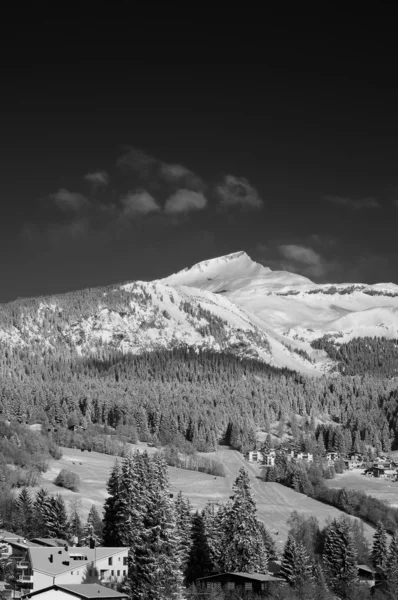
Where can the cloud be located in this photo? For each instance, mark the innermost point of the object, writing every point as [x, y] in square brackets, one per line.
[157, 172]
[353, 204]
[97, 178]
[69, 201]
[237, 191]
[184, 201]
[139, 203]
[137, 161]
[181, 176]
[303, 258]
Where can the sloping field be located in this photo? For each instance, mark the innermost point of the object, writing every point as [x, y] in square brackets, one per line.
[383, 489]
[274, 501]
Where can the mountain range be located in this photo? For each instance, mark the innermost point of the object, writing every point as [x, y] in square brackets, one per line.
[229, 303]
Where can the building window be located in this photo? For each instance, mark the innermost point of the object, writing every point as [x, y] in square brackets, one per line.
[248, 586]
[125, 560]
[118, 573]
[119, 558]
[124, 573]
[230, 585]
[71, 572]
[110, 561]
[112, 573]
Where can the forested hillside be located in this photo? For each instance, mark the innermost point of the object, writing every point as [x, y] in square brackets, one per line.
[378, 356]
[206, 397]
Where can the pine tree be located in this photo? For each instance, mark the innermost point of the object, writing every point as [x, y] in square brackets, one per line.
[340, 558]
[40, 513]
[184, 528]
[242, 544]
[296, 568]
[269, 542]
[75, 522]
[154, 567]
[93, 528]
[23, 514]
[380, 549]
[212, 523]
[391, 569]
[113, 519]
[60, 523]
[199, 562]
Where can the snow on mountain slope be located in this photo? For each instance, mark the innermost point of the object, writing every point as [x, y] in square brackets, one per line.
[229, 303]
[233, 272]
[135, 317]
[291, 309]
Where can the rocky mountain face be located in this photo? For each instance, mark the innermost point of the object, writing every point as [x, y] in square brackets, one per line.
[230, 303]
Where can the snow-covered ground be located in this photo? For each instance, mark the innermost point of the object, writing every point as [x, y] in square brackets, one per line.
[227, 303]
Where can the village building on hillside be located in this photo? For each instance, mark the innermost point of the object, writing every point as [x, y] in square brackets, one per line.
[41, 567]
[255, 456]
[369, 576]
[257, 583]
[73, 591]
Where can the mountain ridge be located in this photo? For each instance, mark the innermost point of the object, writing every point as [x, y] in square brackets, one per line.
[225, 304]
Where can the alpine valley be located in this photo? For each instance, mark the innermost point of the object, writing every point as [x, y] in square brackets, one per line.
[229, 304]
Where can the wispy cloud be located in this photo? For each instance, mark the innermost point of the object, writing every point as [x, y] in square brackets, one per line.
[137, 161]
[184, 201]
[182, 177]
[139, 203]
[353, 204]
[97, 178]
[303, 259]
[238, 192]
[156, 171]
[69, 201]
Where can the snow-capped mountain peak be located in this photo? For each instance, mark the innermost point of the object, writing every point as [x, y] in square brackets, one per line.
[233, 271]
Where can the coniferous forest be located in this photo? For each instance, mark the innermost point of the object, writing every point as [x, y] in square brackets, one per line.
[202, 397]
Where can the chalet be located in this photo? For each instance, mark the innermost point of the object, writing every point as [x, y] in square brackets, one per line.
[331, 457]
[378, 471]
[83, 591]
[297, 456]
[40, 567]
[257, 583]
[269, 458]
[369, 576]
[255, 456]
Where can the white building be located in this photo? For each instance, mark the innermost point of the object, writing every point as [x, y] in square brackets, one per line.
[42, 567]
[72, 591]
[255, 456]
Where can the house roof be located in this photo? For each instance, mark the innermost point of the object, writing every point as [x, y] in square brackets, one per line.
[366, 568]
[40, 557]
[53, 542]
[82, 590]
[252, 576]
[8, 535]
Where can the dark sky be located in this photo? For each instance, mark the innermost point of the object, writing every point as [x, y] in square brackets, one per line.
[133, 146]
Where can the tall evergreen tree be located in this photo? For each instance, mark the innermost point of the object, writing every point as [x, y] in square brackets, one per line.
[213, 528]
[243, 545]
[199, 562]
[75, 523]
[93, 528]
[154, 569]
[380, 548]
[391, 569]
[184, 528]
[113, 519]
[340, 558]
[296, 568]
[23, 514]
